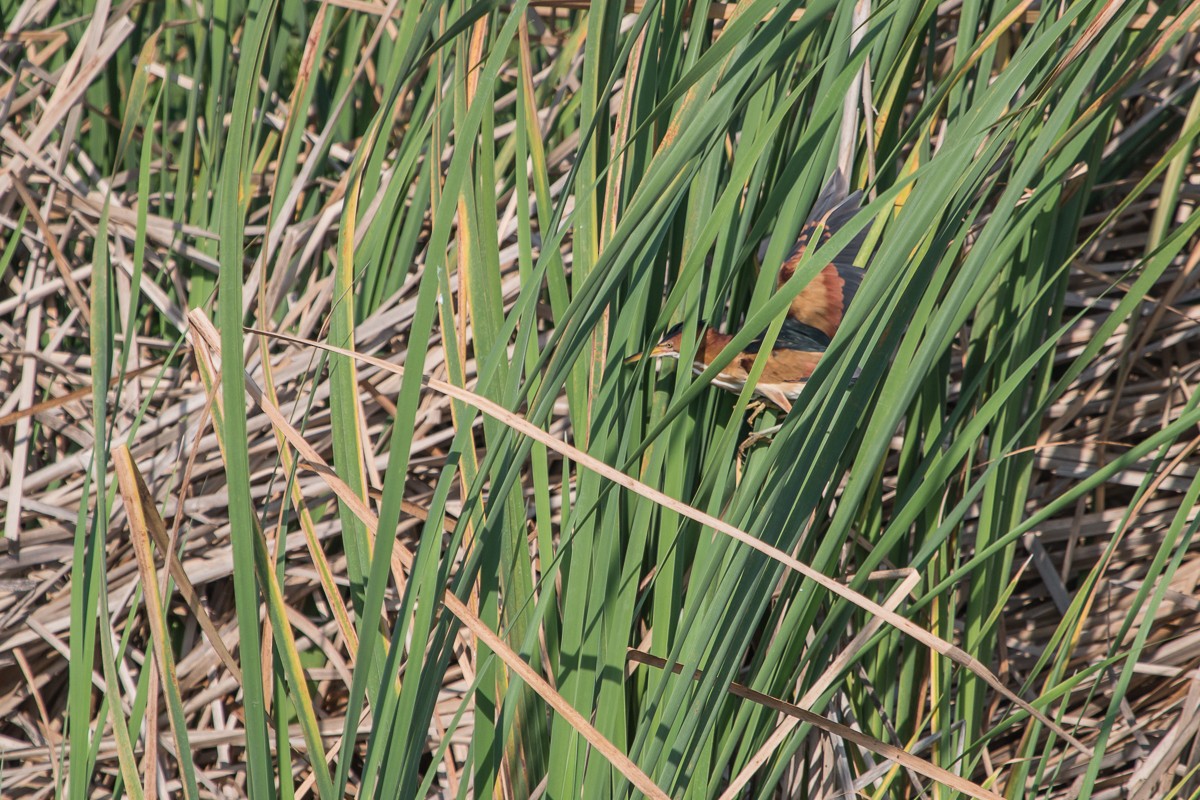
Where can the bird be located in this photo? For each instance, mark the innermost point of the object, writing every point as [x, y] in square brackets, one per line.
[793, 357]
[813, 317]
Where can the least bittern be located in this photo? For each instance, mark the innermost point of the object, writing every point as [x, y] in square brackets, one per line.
[790, 363]
[813, 316]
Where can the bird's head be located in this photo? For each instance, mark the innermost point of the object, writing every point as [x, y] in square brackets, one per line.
[668, 346]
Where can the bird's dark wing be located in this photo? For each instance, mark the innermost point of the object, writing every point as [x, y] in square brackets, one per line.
[823, 302]
[834, 207]
[794, 336]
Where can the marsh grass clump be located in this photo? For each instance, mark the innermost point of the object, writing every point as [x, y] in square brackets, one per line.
[321, 472]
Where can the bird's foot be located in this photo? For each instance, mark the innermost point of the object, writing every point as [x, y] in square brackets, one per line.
[756, 408]
[756, 437]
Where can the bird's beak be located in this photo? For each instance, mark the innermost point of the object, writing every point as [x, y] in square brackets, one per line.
[654, 352]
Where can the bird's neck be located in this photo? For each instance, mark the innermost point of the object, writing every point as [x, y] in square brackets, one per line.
[711, 346]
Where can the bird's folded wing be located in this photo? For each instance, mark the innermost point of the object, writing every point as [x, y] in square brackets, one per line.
[823, 302]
